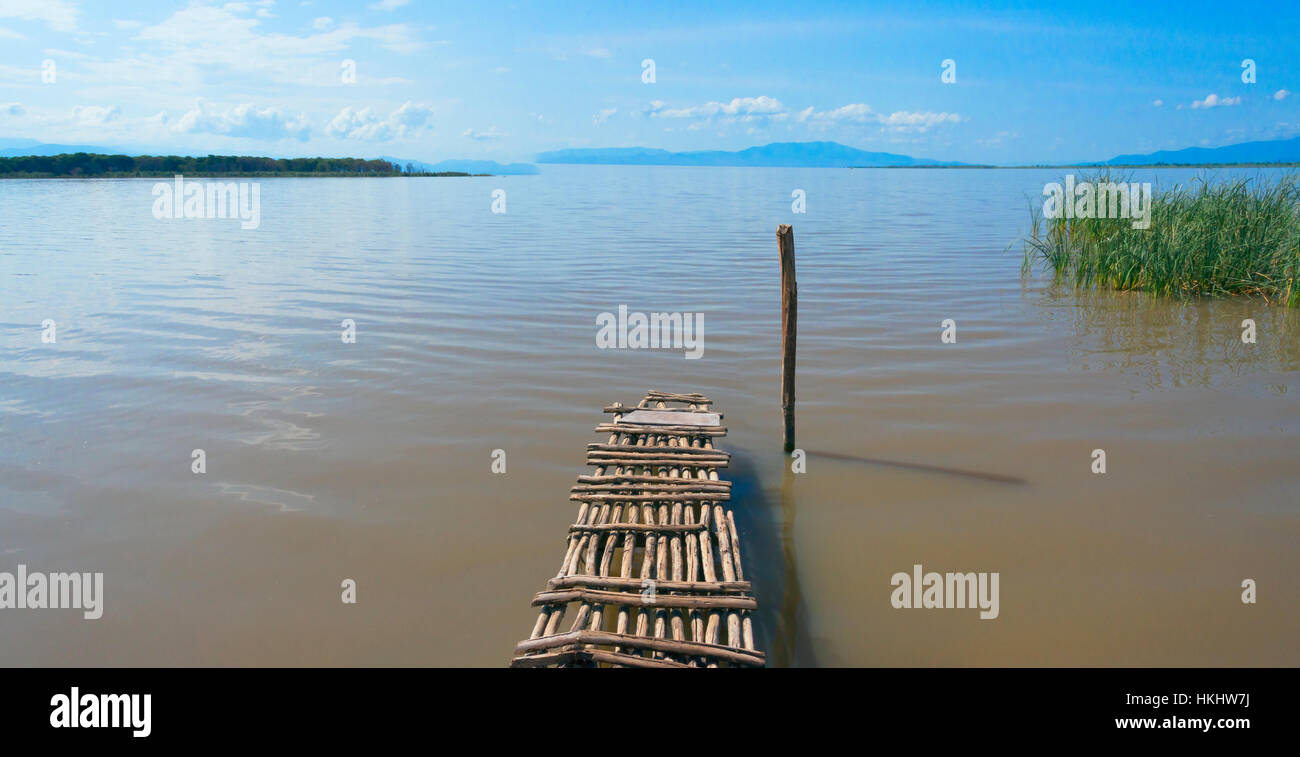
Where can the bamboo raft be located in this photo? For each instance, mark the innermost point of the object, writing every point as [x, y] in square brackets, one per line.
[652, 510]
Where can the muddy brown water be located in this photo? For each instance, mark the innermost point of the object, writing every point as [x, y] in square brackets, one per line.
[476, 331]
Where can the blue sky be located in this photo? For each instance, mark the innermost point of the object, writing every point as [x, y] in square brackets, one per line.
[1078, 81]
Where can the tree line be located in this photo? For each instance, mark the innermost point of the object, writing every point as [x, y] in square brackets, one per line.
[84, 164]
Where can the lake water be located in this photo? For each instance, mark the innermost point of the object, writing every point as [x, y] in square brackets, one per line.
[475, 331]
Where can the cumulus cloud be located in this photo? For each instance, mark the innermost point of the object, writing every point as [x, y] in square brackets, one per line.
[245, 120]
[861, 113]
[95, 115]
[603, 116]
[484, 136]
[1280, 94]
[1158, 103]
[322, 23]
[1214, 101]
[202, 37]
[364, 124]
[739, 106]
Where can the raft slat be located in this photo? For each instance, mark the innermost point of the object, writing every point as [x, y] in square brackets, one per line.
[739, 656]
[632, 487]
[667, 416]
[633, 527]
[631, 478]
[679, 497]
[675, 430]
[641, 599]
[597, 582]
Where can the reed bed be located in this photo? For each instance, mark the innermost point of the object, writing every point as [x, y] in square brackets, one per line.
[1230, 238]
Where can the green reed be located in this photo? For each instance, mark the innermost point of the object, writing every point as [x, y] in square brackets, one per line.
[1236, 237]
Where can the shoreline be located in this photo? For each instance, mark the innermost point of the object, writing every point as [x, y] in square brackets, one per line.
[263, 175]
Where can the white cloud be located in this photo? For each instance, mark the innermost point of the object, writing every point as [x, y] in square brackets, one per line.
[193, 41]
[919, 121]
[1281, 94]
[739, 106]
[59, 15]
[364, 124]
[603, 116]
[856, 113]
[245, 120]
[1158, 103]
[861, 113]
[322, 23]
[95, 115]
[598, 52]
[484, 136]
[1214, 101]
[387, 5]
[126, 24]
[10, 34]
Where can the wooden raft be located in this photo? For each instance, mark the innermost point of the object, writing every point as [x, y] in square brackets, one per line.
[653, 562]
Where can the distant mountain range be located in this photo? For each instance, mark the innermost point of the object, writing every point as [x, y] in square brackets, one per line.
[15, 148]
[836, 155]
[468, 166]
[1274, 151]
[784, 154]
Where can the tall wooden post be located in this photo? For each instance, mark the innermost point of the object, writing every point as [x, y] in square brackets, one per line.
[789, 319]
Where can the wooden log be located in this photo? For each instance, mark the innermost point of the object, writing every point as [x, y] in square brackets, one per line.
[728, 654]
[675, 450]
[658, 462]
[632, 453]
[631, 488]
[643, 454]
[789, 323]
[692, 397]
[634, 584]
[666, 430]
[677, 497]
[619, 407]
[641, 528]
[646, 479]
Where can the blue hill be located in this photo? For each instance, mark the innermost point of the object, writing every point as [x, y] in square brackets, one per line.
[783, 154]
[39, 148]
[1274, 151]
[469, 166]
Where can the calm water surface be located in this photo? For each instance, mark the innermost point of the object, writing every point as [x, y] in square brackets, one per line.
[475, 331]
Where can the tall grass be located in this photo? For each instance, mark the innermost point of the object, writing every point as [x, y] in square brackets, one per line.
[1216, 239]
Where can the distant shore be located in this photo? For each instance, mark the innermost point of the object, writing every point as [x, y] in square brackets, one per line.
[253, 175]
[83, 165]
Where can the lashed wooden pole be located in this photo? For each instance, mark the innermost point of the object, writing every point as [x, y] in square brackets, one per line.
[789, 319]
